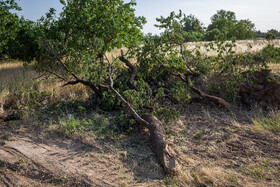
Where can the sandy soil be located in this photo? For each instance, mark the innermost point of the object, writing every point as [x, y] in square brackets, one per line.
[30, 160]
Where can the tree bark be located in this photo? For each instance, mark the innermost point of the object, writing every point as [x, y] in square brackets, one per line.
[133, 73]
[212, 99]
[164, 152]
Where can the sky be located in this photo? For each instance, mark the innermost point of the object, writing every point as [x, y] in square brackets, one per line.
[265, 14]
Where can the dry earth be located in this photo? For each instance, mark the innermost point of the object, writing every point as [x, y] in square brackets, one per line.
[215, 148]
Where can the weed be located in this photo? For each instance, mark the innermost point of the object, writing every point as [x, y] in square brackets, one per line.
[232, 177]
[70, 123]
[20, 161]
[59, 179]
[261, 171]
[270, 122]
[199, 135]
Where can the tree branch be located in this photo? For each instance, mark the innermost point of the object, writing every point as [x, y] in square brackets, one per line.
[208, 98]
[127, 105]
[133, 73]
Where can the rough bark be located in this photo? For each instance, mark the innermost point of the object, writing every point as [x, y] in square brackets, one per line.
[212, 99]
[133, 73]
[164, 152]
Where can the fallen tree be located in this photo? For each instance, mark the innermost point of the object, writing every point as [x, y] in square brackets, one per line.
[163, 150]
[76, 52]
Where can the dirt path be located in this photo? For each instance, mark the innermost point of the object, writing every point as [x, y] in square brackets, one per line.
[31, 161]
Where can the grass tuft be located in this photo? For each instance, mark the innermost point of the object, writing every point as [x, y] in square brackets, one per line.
[269, 122]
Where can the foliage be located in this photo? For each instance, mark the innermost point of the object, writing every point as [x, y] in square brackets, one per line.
[274, 32]
[270, 53]
[74, 45]
[194, 26]
[8, 23]
[213, 34]
[25, 45]
[270, 122]
[270, 36]
[229, 27]
[244, 29]
[18, 37]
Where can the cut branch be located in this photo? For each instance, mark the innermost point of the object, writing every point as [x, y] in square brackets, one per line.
[86, 83]
[77, 80]
[133, 73]
[212, 99]
[208, 98]
[164, 152]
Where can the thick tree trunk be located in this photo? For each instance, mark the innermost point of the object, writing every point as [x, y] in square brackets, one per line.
[164, 152]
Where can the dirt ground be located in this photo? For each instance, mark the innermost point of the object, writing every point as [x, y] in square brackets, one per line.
[214, 147]
[27, 159]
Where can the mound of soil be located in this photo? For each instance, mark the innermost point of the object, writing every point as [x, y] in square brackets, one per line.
[261, 87]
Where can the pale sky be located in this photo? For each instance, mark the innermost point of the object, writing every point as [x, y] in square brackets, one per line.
[264, 13]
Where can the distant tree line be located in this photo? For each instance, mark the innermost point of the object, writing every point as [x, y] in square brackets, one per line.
[223, 26]
[19, 36]
[270, 34]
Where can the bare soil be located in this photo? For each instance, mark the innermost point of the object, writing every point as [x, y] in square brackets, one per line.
[28, 159]
[214, 147]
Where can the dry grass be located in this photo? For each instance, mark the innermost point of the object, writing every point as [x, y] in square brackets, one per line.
[242, 46]
[215, 148]
[275, 68]
[15, 77]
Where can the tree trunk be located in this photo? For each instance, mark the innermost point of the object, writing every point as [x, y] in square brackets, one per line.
[164, 152]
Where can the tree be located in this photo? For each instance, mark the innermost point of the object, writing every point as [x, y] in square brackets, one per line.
[8, 23]
[82, 35]
[24, 46]
[213, 34]
[195, 27]
[229, 27]
[274, 32]
[270, 36]
[244, 29]
[223, 15]
[170, 53]
[75, 50]
[224, 21]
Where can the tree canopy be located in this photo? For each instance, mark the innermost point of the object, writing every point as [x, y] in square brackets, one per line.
[8, 23]
[229, 27]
